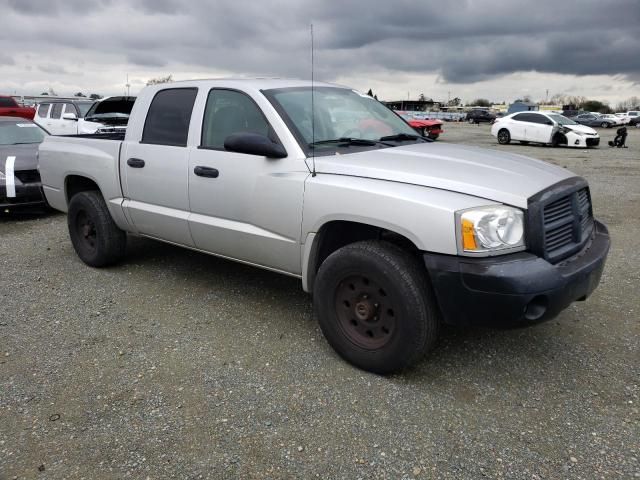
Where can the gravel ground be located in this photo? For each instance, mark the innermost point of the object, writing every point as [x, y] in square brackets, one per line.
[175, 364]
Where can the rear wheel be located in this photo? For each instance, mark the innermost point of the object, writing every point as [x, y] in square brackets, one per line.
[504, 137]
[375, 306]
[471, 121]
[605, 125]
[95, 237]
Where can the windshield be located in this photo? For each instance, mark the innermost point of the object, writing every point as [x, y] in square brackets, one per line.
[561, 120]
[19, 132]
[339, 114]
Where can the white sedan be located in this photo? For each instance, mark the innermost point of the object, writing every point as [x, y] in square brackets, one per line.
[546, 128]
[617, 121]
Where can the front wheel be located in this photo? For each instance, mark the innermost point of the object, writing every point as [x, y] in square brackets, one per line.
[605, 125]
[504, 137]
[471, 121]
[375, 306]
[95, 237]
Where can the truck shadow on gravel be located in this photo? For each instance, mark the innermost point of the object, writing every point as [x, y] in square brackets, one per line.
[479, 353]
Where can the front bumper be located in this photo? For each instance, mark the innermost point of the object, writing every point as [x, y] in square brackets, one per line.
[517, 289]
[27, 197]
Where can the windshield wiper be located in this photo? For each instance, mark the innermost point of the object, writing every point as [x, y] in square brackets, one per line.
[402, 136]
[350, 141]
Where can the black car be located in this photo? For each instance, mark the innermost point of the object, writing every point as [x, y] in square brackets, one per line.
[478, 116]
[592, 120]
[20, 187]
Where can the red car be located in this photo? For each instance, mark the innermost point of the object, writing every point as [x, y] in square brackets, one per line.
[425, 127]
[10, 108]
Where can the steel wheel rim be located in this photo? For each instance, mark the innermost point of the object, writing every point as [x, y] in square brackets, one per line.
[86, 230]
[366, 312]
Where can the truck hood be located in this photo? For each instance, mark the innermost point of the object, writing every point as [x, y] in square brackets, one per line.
[498, 176]
[581, 129]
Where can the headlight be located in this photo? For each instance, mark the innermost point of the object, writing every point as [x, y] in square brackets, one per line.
[486, 230]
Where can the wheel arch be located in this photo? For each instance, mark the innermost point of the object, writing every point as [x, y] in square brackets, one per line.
[74, 184]
[336, 234]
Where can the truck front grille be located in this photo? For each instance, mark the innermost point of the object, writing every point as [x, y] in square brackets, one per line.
[561, 221]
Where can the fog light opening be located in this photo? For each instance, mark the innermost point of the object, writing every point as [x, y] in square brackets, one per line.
[536, 308]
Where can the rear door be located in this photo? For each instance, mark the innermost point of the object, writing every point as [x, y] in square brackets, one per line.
[517, 126]
[55, 123]
[250, 207]
[155, 168]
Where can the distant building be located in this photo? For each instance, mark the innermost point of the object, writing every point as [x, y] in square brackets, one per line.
[522, 107]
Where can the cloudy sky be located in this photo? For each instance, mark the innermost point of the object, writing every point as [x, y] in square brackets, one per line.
[496, 49]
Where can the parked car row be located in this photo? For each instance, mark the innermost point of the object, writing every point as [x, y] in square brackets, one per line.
[79, 117]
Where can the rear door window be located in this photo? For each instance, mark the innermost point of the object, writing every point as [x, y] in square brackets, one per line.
[522, 117]
[169, 116]
[56, 110]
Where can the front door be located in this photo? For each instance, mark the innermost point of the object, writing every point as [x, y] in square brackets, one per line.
[539, 128]
[245, 207]
[154, 170]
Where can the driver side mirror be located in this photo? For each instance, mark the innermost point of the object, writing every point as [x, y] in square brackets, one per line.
[254, 144]
[70, 116]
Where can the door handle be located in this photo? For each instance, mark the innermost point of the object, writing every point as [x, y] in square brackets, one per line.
[135, 162]
[206, 172]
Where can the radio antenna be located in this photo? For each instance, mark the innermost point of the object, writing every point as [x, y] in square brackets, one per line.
[313, 116]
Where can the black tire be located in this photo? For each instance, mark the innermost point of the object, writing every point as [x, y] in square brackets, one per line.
[504, 137]
[471, 121]
[95, 237]
[375, 306]
[605, 125]
[558, 139]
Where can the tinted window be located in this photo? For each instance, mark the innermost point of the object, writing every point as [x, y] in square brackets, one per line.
[56, 110]
[169, 116]
[521, 117]
[229, 112]
[43, 109]
[7, 102]
[541, 119]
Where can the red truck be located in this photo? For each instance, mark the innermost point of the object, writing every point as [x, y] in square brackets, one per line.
[10, 108]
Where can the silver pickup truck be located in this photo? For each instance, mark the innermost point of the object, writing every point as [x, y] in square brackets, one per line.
[391, 233]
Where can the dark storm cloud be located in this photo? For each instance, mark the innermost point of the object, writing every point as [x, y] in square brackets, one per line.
[39, 7]
[55, 69]
[145, 60]
[462, 41]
